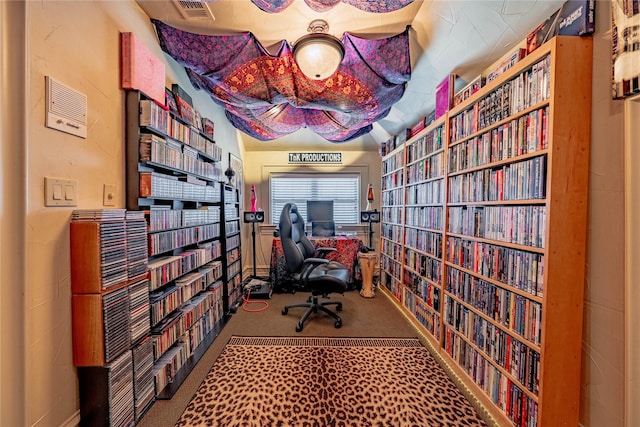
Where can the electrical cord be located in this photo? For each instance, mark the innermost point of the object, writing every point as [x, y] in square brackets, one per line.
[246, 301]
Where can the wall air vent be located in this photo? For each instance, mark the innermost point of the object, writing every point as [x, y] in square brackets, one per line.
[66, 108]
[194, 10]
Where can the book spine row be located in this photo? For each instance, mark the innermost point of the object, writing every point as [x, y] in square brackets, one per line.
[163, 219]
[161, 186]
[423, 289]
[139, 310]
[391, 267]
[526, 90]
[426, 145]
[159, 119]
[204, 325]
[391, 232]
[392, 250]
[516, 312]
[514, 267]
[171, 329]
[393, 163]
[174, 155]
[233, 255]
[392, 180]
[392, 215]
[425, 241]
[515, 181]
[187, 327]
[430, 217]
[166, 368]
[427, 168]
[120, 391]
[425, 193]
[234, 285]
[165, 269]
[521, 225]
[165, 241]
[430, 319]
[143, 384]
[233, 242]
[505, 394]
[503, 349]
[426, 266]
[523, 135]
[393, 197]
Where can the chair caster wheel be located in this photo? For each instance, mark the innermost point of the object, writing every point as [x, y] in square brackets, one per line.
[339, 307]
[298, 327]
[338, 324]
[285, 311]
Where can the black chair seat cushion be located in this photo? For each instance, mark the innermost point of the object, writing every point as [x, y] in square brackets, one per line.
[331, 277]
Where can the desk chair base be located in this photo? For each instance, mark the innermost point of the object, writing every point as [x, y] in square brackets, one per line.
[313, 306]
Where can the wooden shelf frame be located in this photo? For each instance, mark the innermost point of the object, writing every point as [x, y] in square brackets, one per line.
[565, 233]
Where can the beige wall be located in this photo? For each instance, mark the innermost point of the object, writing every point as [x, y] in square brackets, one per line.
[77, 43]
[603, 334]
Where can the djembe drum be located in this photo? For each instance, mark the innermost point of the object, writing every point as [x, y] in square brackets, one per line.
[367, 262]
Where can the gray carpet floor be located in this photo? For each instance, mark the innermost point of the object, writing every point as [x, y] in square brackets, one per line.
[361, 317]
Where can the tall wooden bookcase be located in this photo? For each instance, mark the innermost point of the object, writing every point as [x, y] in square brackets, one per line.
[173, 174]
[501, 298]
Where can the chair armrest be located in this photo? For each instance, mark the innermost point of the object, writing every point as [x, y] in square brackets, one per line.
[324, 251]
[309, 265]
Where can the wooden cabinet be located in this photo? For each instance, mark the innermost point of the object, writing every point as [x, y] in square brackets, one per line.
[504, 249]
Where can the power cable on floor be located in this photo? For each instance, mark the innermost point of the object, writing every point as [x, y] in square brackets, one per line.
[246, 301]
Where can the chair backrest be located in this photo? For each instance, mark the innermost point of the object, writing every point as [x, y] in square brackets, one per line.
[295, 245]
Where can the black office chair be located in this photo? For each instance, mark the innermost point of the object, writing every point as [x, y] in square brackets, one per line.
[307, 265]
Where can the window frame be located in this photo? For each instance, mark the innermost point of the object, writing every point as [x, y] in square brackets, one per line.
[351, 174]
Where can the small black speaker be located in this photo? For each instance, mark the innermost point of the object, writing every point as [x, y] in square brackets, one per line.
[254, 216]
[369, 216]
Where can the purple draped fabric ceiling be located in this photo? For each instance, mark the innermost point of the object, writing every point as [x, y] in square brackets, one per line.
[324, 5]
[267, 96]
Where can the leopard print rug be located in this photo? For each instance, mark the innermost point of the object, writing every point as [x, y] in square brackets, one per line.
[320, 382]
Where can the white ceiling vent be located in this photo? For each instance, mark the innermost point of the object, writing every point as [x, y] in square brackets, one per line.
[194, 10]
[66, 108]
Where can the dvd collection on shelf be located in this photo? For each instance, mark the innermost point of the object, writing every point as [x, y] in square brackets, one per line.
[110, 305]
[484, 230]
[151, 287]
[175, 177]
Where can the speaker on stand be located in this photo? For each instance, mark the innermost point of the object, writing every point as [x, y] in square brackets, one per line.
[256, 287]
[253, 217]
[370, 217]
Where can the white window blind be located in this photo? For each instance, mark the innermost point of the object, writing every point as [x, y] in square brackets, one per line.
[342, 188]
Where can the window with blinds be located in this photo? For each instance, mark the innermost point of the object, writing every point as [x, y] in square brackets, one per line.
[342, 188]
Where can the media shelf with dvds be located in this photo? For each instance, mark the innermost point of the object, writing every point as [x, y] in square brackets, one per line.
[232, 247]
[174, 176]
[110, 313]
[484, 237]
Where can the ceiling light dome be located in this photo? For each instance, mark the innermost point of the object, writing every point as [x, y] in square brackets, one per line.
[318, 54]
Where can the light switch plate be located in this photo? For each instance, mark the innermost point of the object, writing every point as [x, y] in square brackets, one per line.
[60, 192]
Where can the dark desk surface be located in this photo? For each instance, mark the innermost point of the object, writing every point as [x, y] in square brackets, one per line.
[346, 254]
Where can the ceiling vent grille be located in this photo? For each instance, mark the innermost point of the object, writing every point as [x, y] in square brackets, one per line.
[194, 10]
[66, 108]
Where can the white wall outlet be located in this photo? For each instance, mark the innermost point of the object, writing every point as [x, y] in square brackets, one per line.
[109, 195]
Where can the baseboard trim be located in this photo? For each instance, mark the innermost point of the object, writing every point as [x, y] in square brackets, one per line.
[72, 421]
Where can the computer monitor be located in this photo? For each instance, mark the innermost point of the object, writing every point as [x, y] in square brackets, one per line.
[319, 210]
[323, 229]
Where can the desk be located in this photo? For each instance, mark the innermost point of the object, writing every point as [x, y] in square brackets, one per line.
[346, 254]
